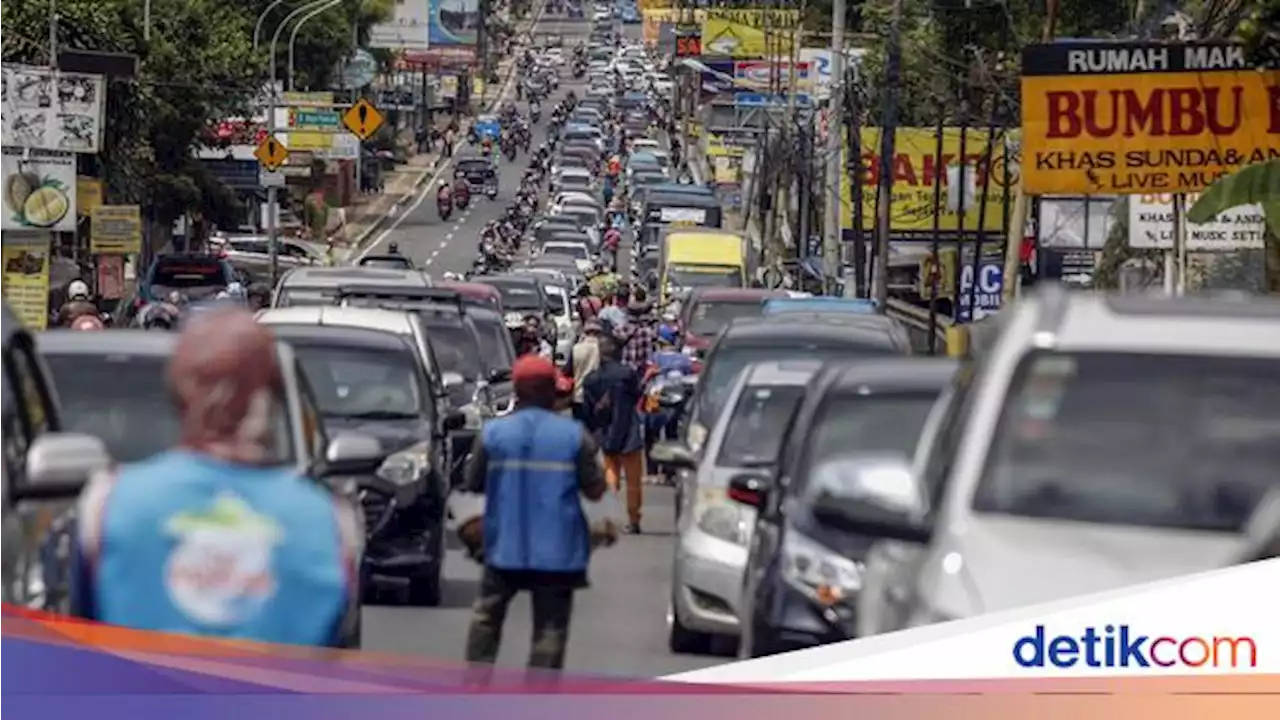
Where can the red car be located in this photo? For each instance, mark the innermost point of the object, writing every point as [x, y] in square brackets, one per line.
[707, 311]
[477, 293]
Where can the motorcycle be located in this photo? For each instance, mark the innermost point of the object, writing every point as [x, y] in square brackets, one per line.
[444, 205]
[491, 190]
[509, 150]
[535, 113]
[461, 195]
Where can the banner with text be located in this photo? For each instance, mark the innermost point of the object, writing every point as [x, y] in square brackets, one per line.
[915, 167]
[1134, 118]
[749, 32]
[654, 19]
[758, 75]
[1151, 226]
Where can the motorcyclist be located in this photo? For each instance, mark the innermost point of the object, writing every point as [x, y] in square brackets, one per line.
[147, 533]
[79, 303]
[444, 194]
[393, 248]
[161, 316]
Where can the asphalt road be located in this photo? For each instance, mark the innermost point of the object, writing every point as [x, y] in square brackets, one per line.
[619, 623]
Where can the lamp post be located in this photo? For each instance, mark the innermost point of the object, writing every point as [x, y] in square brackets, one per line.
[293, 36]
[273, 254]
[257, 27]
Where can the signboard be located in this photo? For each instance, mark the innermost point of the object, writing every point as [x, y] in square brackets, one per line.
[407, 30]
[52, 111]
[755, 99]
[363, 119]
[819, 62]
[271, 153]
[448, 86]
[40, 191]
[359, 70]
[88, 195]
[453, 22]
[688, 42]
[759, 74]
[915, 165]
[654, 19]
[116, 230]
[26, 276]
[307, 99]
[679, 215]
[749, 33]
[313, 119]
[1137, 118]
[1151, 226]
[988, 293]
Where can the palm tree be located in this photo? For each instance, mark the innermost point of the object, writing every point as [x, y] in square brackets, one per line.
[1257, 184]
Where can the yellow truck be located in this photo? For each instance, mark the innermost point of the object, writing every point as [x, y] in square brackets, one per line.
[702, 258]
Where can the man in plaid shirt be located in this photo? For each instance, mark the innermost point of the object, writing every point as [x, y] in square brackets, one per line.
[640, 337]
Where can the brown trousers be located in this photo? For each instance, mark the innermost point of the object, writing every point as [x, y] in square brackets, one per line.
[631, 465]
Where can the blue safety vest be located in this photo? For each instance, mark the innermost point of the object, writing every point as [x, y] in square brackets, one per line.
[185, 543]
[533, 513]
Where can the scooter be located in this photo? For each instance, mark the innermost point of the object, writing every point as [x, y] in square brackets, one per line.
[491, 190]
[444, 205]
[461, 196]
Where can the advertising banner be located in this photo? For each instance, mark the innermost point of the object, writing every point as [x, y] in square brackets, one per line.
[819, 61]
[52, 111]
[757, 74]
[26, 276]
[115, 230]
[454, 22]
[915, 166]
[1151, 226]
[408, 29]
[750, 32]
[1139, 118]
[654, 19]
[40, 191]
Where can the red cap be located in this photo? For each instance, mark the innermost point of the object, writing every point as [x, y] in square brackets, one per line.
[533, 369]
[564, 384]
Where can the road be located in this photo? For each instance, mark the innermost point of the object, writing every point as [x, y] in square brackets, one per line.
[619, 624]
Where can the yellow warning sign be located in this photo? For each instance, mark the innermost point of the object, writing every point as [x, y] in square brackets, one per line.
[363, 119]
[271, 153]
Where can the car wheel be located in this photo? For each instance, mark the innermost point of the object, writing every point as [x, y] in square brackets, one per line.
[683, 641]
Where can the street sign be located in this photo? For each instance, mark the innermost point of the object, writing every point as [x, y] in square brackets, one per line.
[271, 178]
[363, 119]
[315, 119]
[271, 153]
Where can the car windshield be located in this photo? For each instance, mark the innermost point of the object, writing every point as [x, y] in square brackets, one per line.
[123, 400]
[1158, 441]
[357, 382]
[559, 300]
[520, 297]
[729, 359]
[854, 423]
[495, 341]
[575, 181]
[306, 297]
[455, 348]
[709, 317]
[754, 434]
[577, 252]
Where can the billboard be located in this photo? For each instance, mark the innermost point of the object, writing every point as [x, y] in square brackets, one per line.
[915, 166]
[755, 75]
[52, 111]
[454, 22]
[407, 30]
[749, 32]
[653, 20]
[1151, 226]
[1135, 118]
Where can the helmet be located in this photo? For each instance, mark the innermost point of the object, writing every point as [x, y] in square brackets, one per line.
[77, 290]
[393, 247]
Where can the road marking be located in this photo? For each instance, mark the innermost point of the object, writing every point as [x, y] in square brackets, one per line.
[442, 166]
[444, 244]
[448, 237]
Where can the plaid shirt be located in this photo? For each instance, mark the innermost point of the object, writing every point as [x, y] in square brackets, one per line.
[640, 345]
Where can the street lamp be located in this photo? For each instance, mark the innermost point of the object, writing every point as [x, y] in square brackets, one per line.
[257, 28]
[293, 36]
[273, 254]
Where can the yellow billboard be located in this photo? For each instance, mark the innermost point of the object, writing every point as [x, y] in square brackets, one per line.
[749, 32]
[655, 4]
[1138, 118]
[655, 17]
[915, 168]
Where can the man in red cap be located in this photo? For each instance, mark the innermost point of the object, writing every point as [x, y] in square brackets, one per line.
[219, 536]
[532, 466]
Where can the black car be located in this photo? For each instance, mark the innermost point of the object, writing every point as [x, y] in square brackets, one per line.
[376, 383]
[522, 295]
[751, 340]
[477, 171]
[803, 570]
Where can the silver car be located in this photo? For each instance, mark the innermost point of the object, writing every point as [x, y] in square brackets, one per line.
[251, 254]
[713, 532]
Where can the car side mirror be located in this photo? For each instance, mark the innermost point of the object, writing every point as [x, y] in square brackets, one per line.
[454, 420]
[351, 453]
[878, 497]
[452, 380]
[499, 375]
[751, 489]
[674, 454]
[59, 465]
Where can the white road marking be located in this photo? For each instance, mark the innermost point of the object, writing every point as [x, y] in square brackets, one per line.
[442, 167]
[448, 237]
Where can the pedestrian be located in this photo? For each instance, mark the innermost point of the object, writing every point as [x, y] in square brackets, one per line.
[286, 550]
[449, 138]
[612, 316]
[585, 359]
[532, 465]
[611, 396]
[640, 337]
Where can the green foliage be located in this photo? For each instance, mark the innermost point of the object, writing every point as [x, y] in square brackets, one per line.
[1260, 31]
[1251, 185]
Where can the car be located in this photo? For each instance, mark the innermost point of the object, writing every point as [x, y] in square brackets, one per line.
[196, 275]
[577, 251]
[752, 340]
[1035, 463]
[522, 295]
[804, 569]
[707, 311]
[644, 145]
[112, 387]
[714, 532]
[319, 285]
[581, 198]
[251, 254]
[487, 126]
[478, 293]
[573, 181]
[587, 216]
[374, 370]
[394, 262]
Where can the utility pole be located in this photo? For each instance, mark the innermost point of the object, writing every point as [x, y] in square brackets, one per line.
[831, 239]
[888, 131]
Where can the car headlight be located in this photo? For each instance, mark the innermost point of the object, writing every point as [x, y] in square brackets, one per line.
[403, 468]
[817, 572]
[697, 436]
[723, 520]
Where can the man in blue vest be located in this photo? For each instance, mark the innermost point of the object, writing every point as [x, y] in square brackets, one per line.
[216, 537]
[532, 465]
